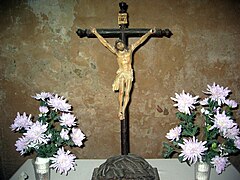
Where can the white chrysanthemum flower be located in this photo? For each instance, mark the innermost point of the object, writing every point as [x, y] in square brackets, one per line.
[36, 134]
[185, 102]
[218, 93]
[43, 96]
[21, 122]
[64, 134]
[192, 150]
[174, 133]
[59, 103]
[43, 109]
[204, 102]
[67, 119]
[231, 103]
[222, 122]
[204, 111]
[220, 163]
[63, 161]
[237, 142]
[231, 133]
[22, 145]
[77, 136]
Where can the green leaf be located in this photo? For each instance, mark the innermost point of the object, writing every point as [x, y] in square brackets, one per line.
[168, 150]
[47, 150]
[43, 103]
[229, 147]
[175, 143]
[210, 154]
[191, 130]
[195, 130]
[180, 158]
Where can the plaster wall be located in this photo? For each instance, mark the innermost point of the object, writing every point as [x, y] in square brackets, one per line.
[40, 51]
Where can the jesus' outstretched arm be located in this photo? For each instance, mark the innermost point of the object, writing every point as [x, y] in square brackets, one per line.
[103, 41]
[143, 38]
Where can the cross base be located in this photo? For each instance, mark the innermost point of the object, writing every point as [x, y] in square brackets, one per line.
[125, 167]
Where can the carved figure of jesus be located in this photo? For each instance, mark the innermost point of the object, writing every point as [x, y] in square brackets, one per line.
[124, 77]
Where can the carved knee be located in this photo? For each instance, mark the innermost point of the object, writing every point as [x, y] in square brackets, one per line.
[120, 92]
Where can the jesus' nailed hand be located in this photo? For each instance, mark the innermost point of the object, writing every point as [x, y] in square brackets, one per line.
[124, 77]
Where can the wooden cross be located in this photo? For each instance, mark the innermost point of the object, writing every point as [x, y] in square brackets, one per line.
[123, 33]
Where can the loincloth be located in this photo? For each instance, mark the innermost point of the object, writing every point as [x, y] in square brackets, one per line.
[121, 74]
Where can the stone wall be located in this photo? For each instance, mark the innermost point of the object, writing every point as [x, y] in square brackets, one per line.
[40, 51]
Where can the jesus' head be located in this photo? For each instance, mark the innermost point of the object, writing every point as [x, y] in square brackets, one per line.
[119, 45]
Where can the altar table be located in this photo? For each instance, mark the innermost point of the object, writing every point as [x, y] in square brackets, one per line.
[168, 169]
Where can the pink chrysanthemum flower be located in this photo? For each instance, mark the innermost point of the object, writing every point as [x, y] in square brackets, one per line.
[59, 103]
[22, 145]
[21, 122]
[222, 122]
[220, 163]
[36, 134]
[42, 96]
[237, 142]
[192, 150]
[232, 133]
[77, 136]
[185, 102]
[231, 103]
[67, 119]
[217, 93]
[63, 161]
[174, 133]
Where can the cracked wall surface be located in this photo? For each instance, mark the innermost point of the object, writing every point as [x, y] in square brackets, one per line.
[40, 51]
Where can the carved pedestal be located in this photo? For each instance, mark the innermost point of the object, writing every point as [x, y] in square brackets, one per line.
[125, 167]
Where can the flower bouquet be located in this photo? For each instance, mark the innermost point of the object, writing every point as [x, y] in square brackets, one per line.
[212, 137]
[54, 129]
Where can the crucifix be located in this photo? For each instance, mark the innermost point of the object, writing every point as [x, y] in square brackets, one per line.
[124, 77]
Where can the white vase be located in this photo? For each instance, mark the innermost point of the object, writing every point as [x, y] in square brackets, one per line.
[202, 171]
[41, 168]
